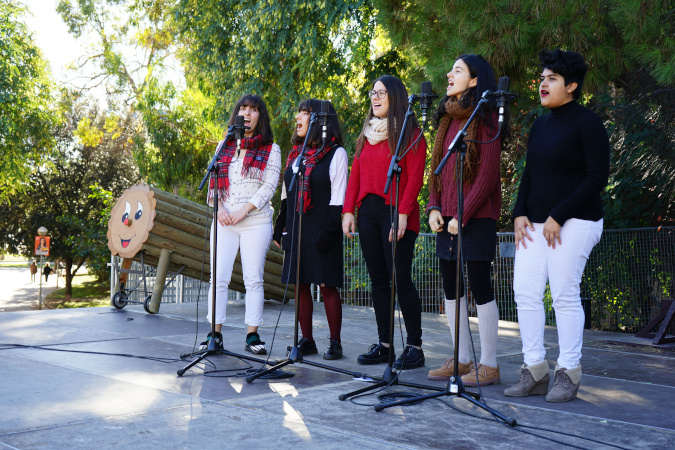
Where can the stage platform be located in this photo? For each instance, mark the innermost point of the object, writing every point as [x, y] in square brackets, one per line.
[74, 399]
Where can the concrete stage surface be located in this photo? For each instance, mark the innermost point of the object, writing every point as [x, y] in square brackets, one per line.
[74, 399]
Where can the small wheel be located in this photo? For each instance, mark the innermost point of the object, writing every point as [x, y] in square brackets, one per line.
[146, 304]
[119, 300]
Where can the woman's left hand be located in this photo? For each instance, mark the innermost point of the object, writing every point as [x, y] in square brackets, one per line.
[238, 216]
[552, 232]
[453, 226]
[402, 224]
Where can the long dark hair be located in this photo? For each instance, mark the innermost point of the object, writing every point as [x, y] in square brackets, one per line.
[398, 105]
[264, 127]
[480, 69]
[314, 139]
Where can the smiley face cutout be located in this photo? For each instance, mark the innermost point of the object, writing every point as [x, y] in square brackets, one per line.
[131, 220]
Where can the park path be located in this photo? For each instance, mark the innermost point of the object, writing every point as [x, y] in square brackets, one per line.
[18, 293]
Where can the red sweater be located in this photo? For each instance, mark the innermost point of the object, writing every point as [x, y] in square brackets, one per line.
[369, 176]
[483, 197]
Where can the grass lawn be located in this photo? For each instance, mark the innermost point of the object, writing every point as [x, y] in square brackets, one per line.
[87, 292]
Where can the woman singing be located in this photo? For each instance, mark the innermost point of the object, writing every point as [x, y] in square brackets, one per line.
[471, 75]
[245, 184]
[375, 147]
[557, 222]
[323, 193]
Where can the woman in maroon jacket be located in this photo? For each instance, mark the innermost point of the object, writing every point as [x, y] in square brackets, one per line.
[374, 148]
[470, 76]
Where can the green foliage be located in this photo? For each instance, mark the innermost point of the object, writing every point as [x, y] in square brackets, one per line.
[25, 113]
[282, 51]
[67, 193]
[629, 46]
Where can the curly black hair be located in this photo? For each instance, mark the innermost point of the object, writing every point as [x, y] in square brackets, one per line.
[570, 65]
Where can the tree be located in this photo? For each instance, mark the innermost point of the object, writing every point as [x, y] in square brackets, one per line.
[631, 51]
[25, 113]
[92, 152]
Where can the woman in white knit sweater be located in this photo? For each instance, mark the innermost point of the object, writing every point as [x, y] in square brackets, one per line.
[245, 184]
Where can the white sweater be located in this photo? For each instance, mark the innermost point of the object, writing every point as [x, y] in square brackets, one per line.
[244, 190]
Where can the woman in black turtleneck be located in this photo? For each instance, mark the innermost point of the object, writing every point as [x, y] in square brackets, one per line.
[557, 222]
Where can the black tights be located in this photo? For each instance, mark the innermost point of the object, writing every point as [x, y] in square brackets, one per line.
[480, 280]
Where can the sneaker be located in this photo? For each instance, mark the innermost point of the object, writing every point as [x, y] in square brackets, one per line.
[411, 358]
[377, 353]
[334, 350]
[254, 344]
[447, 370]
[305, 346]
[485, 375]
[218, 341]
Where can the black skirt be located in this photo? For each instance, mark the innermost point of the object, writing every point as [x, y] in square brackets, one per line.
[479, 241]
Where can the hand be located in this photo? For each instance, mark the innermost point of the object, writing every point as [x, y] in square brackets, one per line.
[435, 220]
[348, 225]
[224, 218]
[238, 216]
[277, 244]
[552, 232]
[402, 224]
[453, 226]
[520, 226]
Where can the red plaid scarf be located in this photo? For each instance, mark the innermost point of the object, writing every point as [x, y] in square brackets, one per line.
[312, 157]
[254, 165]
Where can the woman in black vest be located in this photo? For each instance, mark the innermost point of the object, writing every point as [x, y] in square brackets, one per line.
[324, 187]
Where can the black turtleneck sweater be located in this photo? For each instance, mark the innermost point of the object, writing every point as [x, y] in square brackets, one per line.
[567, 166]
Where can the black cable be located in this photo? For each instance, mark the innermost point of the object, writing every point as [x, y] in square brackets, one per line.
[87, 352]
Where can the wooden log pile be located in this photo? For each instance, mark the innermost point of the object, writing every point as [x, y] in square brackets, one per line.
[182, 227]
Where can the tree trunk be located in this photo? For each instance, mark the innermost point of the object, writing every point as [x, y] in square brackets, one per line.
[69, 279]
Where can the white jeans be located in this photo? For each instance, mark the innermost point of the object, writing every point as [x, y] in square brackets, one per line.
[254, 241]
[562, 267]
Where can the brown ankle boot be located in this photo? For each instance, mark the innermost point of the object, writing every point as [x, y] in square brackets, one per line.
[533, 381]
[566, 384]
[447, 370]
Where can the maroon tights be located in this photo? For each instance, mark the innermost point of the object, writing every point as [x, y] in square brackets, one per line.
[333, 305]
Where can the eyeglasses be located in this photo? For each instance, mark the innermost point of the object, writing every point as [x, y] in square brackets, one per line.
[378, 94]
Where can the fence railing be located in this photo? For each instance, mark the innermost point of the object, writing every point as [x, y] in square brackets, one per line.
[627, 275]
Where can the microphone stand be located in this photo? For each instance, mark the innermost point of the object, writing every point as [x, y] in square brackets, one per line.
[211, 349]
[455, 385]
[295, 354]
[390, 376]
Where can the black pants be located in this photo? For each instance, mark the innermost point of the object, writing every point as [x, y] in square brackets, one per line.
[479, 280]
[374, 227]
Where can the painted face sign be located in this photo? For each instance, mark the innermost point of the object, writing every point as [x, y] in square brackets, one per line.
[131, 220]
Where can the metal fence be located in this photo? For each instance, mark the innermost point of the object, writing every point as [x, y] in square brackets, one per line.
[627, 275]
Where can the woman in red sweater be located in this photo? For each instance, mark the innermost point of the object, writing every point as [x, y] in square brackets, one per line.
[374, 148]
[470, 76]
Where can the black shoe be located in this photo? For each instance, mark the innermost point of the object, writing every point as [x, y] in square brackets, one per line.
[334, 350]
[254, 344]
[305, 346]
[218, 340]
[377, 353]
[411, 358]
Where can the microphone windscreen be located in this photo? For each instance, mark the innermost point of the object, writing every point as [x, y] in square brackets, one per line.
[426, 87]
[503, 84]
[324, 106]
[239, 121]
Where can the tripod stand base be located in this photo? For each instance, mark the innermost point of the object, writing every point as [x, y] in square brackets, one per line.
[456, 389]
[210, 351]
[295, 355]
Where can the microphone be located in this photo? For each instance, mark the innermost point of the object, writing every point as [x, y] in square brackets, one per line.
[324, 120]
[239, 130]
[426, 97]
[503, 96]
